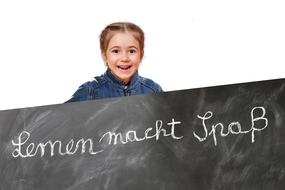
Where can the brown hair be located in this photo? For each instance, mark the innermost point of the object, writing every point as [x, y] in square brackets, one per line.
[115, 27]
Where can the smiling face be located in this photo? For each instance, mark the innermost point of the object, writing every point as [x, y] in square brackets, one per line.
[123, 56]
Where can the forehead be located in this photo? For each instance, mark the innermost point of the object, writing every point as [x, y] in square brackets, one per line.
[123, 39]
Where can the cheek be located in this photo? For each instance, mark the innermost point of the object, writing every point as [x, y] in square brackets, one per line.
[136, 60]
[111, 60]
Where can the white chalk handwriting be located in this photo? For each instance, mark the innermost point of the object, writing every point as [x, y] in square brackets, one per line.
[32, 149]
[25, 149]
[234, 127]
[131, 136]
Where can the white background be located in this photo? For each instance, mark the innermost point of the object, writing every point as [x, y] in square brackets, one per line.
[48, 48]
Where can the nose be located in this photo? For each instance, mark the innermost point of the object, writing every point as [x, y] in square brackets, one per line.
[125, 57]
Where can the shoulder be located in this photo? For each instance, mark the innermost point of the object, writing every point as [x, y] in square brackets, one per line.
[94, 83]
[86, 91]
[149, 83]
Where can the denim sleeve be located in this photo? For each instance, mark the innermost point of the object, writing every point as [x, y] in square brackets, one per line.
[82, 94]
[159, 88]
[150, 84]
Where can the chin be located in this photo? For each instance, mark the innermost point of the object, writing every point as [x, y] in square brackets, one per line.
[125, 76]
[125, 79]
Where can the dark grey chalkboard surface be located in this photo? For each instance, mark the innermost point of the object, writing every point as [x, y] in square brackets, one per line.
[224, 137]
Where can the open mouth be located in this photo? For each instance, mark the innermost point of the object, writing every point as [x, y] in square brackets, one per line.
[124, 67]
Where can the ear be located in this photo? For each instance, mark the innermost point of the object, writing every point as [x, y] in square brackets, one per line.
[142, 54]
[104, 57]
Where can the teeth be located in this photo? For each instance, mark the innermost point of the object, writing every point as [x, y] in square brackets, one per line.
[124, 67]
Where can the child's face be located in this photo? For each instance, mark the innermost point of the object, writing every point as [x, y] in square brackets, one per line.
[123, 56]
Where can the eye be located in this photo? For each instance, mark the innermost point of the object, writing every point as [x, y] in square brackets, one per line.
[132, 51]
[115, 51]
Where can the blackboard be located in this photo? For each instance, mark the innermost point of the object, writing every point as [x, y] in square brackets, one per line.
[223, 137]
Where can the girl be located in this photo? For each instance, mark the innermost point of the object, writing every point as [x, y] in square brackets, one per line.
[122, 50]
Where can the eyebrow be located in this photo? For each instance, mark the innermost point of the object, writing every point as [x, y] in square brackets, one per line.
[133, 47]
[120, 47]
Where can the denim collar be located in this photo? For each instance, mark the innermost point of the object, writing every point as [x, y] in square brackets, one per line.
[120, 84]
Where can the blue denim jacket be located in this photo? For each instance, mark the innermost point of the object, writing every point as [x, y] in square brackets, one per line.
[107, 86]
